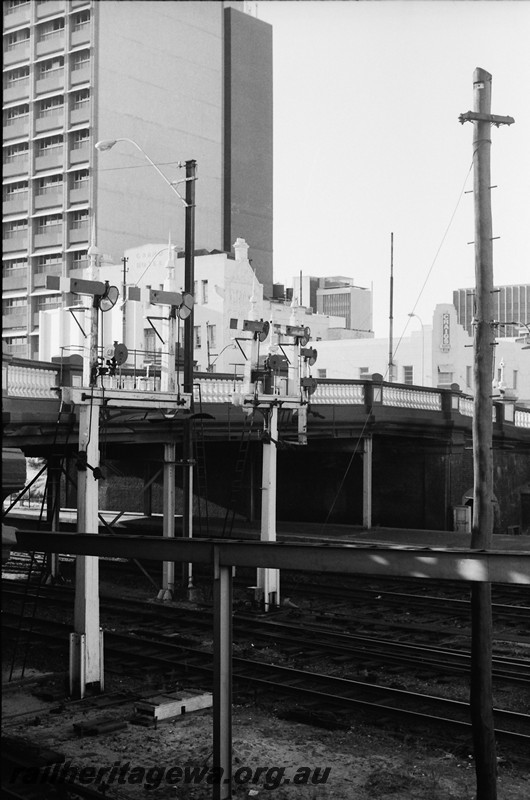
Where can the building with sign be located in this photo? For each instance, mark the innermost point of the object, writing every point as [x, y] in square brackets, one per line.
[437, 355]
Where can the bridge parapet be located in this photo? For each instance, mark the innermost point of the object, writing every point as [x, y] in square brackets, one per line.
[40, 380]
[30, 380]
[339, 394]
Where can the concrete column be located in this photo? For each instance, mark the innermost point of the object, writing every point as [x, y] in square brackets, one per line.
[169, 504]
[268, 580]
[367, 482]
[86, 654]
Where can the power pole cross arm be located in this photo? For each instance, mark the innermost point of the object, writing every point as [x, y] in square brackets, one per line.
[494, 119]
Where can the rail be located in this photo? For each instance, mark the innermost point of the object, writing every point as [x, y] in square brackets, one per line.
[41, 380]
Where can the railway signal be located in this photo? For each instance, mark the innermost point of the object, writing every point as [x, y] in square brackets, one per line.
[280, 380]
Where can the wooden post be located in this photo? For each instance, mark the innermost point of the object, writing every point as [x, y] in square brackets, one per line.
[481, 699]
[481, 690]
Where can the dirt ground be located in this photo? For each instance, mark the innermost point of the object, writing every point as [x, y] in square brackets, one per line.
[273, 757]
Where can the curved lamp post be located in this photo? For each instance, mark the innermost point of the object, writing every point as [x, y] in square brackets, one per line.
[108, 144]
[412, 314]
[187, 445]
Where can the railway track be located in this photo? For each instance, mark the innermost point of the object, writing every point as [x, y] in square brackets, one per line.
[192, 666]
[300, 642]
[511, 609]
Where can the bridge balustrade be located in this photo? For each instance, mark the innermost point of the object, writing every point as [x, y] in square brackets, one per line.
[36, 380]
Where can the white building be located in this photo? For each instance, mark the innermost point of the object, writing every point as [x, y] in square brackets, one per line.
[435, 355]
[226, 293]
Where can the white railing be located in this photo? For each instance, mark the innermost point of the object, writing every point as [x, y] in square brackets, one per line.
[339, 394]
[32, 382]
[522, 418]
[400, 397]
[39, 382]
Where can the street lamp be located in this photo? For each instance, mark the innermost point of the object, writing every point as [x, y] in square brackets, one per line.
[412, 314]
[187, 445]
[107, 144]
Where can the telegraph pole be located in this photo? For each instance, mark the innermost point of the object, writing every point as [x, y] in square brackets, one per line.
[481, 700]
[391, 314]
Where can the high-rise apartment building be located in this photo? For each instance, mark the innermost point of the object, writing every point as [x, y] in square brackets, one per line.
[511, 304]
[184, 80]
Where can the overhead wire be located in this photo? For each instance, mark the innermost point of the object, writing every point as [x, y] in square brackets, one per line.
[444, 236]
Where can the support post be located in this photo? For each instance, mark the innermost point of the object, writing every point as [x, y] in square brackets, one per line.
[168, 526]
[367, 481]
[86, 653]
[268, 580]
[222, 682]
[481, 697]
[53, 513]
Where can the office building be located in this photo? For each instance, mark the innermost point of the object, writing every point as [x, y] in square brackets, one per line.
[337, 296]
[511, 309]
[184, 80]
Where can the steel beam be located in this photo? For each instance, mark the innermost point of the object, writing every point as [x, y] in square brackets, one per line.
[495, 566]
[222, 680]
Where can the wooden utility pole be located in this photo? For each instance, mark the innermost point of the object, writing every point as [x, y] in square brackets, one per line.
[481, 699]
[391, 314]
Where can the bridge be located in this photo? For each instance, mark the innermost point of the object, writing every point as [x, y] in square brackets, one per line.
[408, 446]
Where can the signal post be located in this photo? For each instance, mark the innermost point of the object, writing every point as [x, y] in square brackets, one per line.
[264, 388]
[86, 643]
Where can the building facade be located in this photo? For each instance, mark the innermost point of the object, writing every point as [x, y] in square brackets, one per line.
[511, 304]
[184, 81]
[337, 297]
[437, 355]
[226, 292]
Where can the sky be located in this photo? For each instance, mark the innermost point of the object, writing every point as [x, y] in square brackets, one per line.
[367, 143]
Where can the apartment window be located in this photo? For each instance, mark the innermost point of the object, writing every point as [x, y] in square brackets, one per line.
[211, 335]
[445, 377]
[79, 260]
[49, 66]
[16, 38]
[50, 106]
[204, 291]
[51, 184]
[12, 189]
[469, 376]
[79, 218]
[15, 341]
[15, 267]
[81, 19]
[46, 263]
[80, 99]
[79, 179]
[15, 76]
[196, 336]
[14, 228]
[45, 223]
[49, 29]
[14, 5]
[514, 380]
[408, 374]
[363, 372]
[80, 59]
[12, 116]
[13, 304]
[47, 301]
[79, 139]
[49, 143]
[15, 151]
[322, 373]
